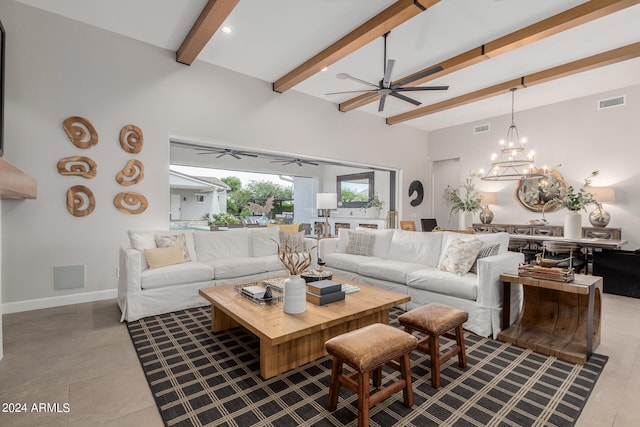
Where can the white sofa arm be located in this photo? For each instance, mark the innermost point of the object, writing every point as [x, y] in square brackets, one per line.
[129, 281]
[327, 246]
[489, 271]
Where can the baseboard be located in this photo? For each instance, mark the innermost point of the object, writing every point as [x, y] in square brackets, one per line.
[37, 304]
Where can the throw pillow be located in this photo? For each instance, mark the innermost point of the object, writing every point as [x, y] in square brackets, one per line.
[460, 255]
[360, 243]
[178, 240]
[161, 257]
[485, 251]
[294, 240]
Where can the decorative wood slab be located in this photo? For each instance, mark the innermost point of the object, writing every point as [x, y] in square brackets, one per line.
[131, 139]
[130, 203]
[81, 132]
[80, 201]
[131, 174]
[78, 166]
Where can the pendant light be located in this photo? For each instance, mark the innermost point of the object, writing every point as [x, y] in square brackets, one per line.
[512, 163]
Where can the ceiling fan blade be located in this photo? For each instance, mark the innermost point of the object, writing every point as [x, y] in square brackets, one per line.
[419, 88]
[418, 76]
[235, 155]
[352, 91]
[383, 97]
[208, 152]
[220, 155]
[404, 98]
[243, 153]
[345, 76]
[386, 80]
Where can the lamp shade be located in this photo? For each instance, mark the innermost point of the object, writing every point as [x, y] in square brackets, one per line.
[488, 197]
[603, 194]
[326, 200]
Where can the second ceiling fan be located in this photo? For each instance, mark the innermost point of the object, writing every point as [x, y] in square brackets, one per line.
[385, 87]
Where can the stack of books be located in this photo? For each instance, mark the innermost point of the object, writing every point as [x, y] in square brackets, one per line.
[324, 292]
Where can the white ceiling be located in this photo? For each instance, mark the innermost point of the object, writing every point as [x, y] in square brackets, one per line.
[272, 37]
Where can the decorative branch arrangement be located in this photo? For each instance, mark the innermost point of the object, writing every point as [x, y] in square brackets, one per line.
[295, 260]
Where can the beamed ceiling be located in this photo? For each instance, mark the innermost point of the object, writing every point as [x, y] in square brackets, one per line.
[553, 50]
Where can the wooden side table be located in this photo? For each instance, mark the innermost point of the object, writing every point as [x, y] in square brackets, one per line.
[558, 319]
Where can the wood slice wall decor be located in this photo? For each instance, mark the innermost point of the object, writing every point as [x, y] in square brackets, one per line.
[80, 201]
[130, 203]
[81, 132]
[131, 139]
[131, 174]
[78, 166]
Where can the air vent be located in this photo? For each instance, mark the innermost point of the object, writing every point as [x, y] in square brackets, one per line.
[617, 101]
[481, 128]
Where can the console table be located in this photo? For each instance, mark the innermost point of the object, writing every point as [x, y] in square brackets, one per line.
[548, 230]
[558, 319]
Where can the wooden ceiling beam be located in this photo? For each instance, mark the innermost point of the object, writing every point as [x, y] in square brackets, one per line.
[211, 18]
[555, 24]
[396, 14]
[600, 60]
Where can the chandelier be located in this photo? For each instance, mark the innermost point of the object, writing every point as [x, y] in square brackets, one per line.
[512, 163]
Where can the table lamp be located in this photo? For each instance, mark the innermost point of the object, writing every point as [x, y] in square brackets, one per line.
[599, 217]
[326, 201]
[487, 198]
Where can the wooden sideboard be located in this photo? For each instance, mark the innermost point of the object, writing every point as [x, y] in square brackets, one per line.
[548, 230]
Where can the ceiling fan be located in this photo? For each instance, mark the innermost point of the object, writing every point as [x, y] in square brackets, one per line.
[299, 162]
[225, 152]
[385, 87]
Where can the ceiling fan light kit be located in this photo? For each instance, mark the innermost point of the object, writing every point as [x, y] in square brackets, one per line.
[386, 87]
[512, 164]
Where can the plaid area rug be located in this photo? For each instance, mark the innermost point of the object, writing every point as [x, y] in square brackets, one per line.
[203, 379]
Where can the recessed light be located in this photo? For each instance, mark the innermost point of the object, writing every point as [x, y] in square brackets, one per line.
[325, 68]
[226, 29]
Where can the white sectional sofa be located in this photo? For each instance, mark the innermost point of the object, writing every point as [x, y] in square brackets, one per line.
[408, 262]
[214, 258]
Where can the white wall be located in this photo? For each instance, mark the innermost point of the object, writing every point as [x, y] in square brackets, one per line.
[58, 68]
[572, 133]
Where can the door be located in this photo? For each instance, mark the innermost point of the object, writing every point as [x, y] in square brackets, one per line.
[175, 206]
[445, 172]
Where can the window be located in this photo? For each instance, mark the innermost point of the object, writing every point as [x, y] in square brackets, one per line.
[199, 198]
[355, 190]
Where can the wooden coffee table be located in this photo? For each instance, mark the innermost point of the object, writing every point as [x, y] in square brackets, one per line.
[291, 340]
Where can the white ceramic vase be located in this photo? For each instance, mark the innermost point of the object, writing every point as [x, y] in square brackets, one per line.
[295, 295]
[573, 225]
[465, 220]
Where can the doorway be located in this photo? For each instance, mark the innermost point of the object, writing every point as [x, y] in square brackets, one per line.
[444, 173]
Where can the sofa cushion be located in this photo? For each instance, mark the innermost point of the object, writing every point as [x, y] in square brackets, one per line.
[460, 255]
[287, 228]
[347, 262]
[380, 245]
[161, 257]
[264, 241]
[270, 263]
[417, 248]
[141, 240]
[486, 238]
[294, 240]
[179, 274]
[446, 283]
[222, 244]
[387, 269]
[485, 251]
[228, 268]
[177, 240]
[360, 243]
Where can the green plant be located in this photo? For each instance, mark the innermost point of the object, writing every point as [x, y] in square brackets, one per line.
[374, 202]
[576, 200]
[223, 219]
[463, 198]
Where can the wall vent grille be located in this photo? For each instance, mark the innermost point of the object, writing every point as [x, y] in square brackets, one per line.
[68, 277]
[617, 101]
[481, 128]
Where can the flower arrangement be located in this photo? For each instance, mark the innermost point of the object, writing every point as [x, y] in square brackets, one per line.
[577, 200]
[463, 198]
[257, 209]
[375, 202]
[295, 259]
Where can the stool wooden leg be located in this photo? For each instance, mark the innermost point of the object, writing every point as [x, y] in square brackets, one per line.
[405, 373]
[434, 347]
[462, 355]
[377, 377]
[363, 399]
[334, 384]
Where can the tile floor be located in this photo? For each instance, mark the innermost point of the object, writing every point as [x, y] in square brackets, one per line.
[81, 355]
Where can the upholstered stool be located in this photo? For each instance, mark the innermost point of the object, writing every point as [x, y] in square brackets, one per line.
[437, 320]
[366, 350]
